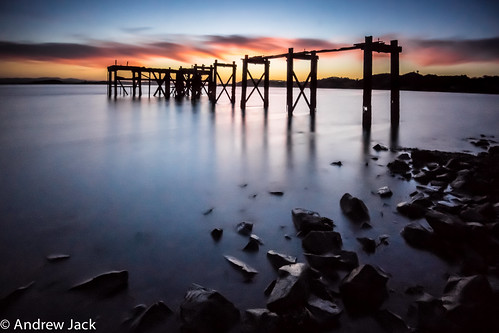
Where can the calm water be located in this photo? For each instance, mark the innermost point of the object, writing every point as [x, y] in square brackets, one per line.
[123, 184]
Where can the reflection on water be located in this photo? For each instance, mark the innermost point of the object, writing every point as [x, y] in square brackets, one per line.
[123, 184]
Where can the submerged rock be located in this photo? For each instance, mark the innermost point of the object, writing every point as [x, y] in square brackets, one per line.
[278, 259]
[354, 208]
[276, 193]
[244, 228]
[368, 244]
[57, 257]
[379, 147]
[324, 312]
[14, 295]
[391, 322]
[399, 167]
[319, 242]
[207, 311]
[291, 289]
[217, 234]
[106, 284]
[330, 262]
[337, 163]
[364, 289]
[247, 270]
[307, 220]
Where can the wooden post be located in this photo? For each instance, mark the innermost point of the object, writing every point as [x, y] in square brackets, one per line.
[266, 84]
[244, 82]
[109, 82]
[395, 83]
[140, 83]
[233, 92]
[133, 83]
[313, 83]
[149, 92]
[115, 83]
[167, 80]
[367, 83]
[289, 82]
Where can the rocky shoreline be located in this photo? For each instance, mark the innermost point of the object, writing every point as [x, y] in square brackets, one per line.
[453, 213]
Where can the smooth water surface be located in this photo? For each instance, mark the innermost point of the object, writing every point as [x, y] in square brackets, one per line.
[124, 184]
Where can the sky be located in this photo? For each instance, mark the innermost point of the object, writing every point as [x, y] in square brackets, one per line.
[79, 39]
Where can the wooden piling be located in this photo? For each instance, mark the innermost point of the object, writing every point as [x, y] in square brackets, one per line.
[395, 83]
[289, 82]
[233, 92]
[244, 82]
[313, 83]
[266, 84]
[367, 84]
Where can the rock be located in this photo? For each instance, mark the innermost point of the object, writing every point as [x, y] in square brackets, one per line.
[354, 208]
[57, 257]
[379, 147]
[323, 312]
[260, 321]
[431, 315]
[209, 211]
[383, 239]
[363, 290]
[217, 234]
[278, 259]
[277, 193]
[106, 284]
[269, 288]
[417, 236]
[404, 157]
[207, 311]
[337, 163]
[385, 192]
[398, 167]
[306, 221]
[252, 245]
[151, 317]
[245, 228]
[368, 244]
[445, 226]
[244, 268]
[330, 262]
[320, 242]
[411, 210]
[291, 289]
[14, 295]
[391, 322]
[467, 300]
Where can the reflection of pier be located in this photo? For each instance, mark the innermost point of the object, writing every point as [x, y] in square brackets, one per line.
[193, 81]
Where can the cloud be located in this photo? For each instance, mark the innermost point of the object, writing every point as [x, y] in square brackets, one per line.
[452, 51]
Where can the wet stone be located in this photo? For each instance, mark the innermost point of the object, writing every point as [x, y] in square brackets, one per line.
[323, 311]
[208, 311]
[363, 290]
[385, 192]
[291, 290]
[245, 228]
[217, 233]
[378, 147]
[417, 236]
[354, 208]
[319, 242]
[106, 284]
[278, 259]
[260, 321]
[151, 317]
[306, 221]
[368, 244]
[244, 268]
[57, 257]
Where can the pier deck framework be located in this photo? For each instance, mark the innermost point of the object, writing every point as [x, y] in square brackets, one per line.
[195, 80]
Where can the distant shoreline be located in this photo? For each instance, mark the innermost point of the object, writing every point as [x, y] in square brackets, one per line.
[410, 81]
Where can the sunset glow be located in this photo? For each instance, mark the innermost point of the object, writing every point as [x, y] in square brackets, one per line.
[57, 44]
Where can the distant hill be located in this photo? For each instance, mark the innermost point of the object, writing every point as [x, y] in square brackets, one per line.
[46, 80]
[418, 82]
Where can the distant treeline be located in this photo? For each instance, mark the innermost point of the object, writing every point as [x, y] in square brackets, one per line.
[414, 81]
[409, 81]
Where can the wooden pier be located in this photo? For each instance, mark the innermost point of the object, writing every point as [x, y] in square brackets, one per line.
[193, 81]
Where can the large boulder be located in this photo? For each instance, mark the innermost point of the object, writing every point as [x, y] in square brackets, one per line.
[354, 208]
[323, 312]
[207, 311]
[329, 263]
[445, 226]
[363, 290]
[417, 236]
[307, 220]
[291, 289]
[320, 242]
